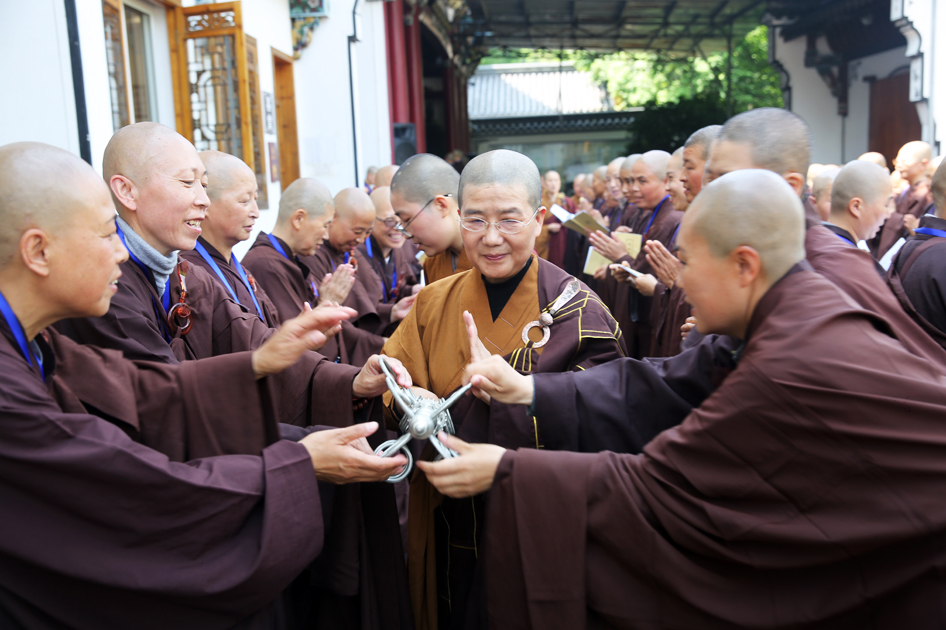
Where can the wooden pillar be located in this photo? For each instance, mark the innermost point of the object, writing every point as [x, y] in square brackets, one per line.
[415, 73]
[398, 97]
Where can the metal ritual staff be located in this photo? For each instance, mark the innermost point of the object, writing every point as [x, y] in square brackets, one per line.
[422, 419]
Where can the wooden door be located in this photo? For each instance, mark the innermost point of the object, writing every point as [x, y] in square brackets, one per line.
[893, 118]
[286, 132]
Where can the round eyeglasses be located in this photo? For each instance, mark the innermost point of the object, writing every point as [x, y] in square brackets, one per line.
[506, 226]
[403, 228]
[390, 222]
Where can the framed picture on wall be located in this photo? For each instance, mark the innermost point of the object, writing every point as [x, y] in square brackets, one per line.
[273, 162]
[308, 8]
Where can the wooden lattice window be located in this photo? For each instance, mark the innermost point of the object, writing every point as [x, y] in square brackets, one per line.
[130, 71]
[208, 55]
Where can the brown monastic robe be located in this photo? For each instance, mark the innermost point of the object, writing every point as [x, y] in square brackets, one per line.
[610, 290]
[103, 528]
[804, 493]
[270, 316]
[913, 201]
[313, 391]
[382, 283]
[444, 265]
[432, 344]
[668, 312]
[550, 246]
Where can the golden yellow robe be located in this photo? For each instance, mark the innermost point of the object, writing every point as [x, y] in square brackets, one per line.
[432, 344]
[441, 266]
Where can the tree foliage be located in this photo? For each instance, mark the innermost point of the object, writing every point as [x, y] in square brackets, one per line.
[667, 126]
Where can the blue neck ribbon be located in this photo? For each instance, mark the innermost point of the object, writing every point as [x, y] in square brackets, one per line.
[279, 248]
[930, 231]
[236, 263]
[654, 215]
[20, 335]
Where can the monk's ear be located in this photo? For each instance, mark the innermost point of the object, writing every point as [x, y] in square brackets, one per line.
[854, 206]
[540, 219]
[796, 181]
[34, 250]
[125, 191]
[443, 205]
[297, 218]
[748, 263]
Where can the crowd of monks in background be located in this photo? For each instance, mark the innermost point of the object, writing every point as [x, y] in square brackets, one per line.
[165, 421]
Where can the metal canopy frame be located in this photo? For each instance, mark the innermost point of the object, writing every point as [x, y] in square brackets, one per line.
[685, 27]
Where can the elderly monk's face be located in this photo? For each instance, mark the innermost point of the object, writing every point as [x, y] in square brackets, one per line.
[614, 182]
[598, 185]
[646, 188]
[498, 255]
[233, 212]
[674, 186]
[711, 284]
[430, 227]
[691, 175]
[909, 165]
[172, 201]
[347, 234]
[627, 184]
[86, 254]
[387, 235]
[313, 231]
[552, 183]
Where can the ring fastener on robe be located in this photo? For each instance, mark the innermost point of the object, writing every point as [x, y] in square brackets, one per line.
[545, 319]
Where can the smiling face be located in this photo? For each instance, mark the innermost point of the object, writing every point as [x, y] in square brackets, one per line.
[711, 283]
[646, 188]
[85, 256]
[346, 234]
[233, 212]
[388, 237]
[614, 181]
[674, 186]
[499, 256]
[171, 201]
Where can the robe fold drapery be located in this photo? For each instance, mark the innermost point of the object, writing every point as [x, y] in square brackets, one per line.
[913, 201]
[444, 265]
[271, 316]
[432, 344]
[105, 525]
[805, 492]
[917, 276]
[313, 391]
[373, 316]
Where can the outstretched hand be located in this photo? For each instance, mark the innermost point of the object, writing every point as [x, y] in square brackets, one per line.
[478, 351]
[339, 455]
[469, 474]
[646, 284]
[370, 381]
[402, 308]
[688, 326]
[336, 286]
[493, 377]
[297, 336]
[608, 246]
[666, 266]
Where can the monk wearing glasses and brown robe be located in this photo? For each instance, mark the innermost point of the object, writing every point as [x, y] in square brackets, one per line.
[514, 305]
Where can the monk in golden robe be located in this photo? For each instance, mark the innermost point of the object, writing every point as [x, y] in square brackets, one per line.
[424, 196]
[494, 308]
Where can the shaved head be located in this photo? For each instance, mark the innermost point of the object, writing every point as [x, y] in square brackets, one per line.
[381, 198]
[876, 158]
[938, 190]
[615, 164]
[135, 150]
[778, 140]
[30, 198]
[858, 178]
[422, 177]
[354, 203]
[306, 193]
[503, 168]
[701, 140]
[630, 161]
[223, 170]
[385, 174]
[657, 162]
[751, 207]
[821, 183]
[917, 150]
[601, 172]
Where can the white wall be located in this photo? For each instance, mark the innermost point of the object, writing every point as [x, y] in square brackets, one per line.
[38, 103]
[323, 103]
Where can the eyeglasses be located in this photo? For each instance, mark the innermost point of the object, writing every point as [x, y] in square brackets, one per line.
[506, 226]
[390, 222]
[403, 228]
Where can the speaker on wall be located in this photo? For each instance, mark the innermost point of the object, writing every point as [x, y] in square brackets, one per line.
[405, 142]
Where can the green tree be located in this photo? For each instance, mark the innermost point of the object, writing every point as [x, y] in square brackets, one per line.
[667, 126]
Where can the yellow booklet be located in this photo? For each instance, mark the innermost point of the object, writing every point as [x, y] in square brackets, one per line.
[594, 261]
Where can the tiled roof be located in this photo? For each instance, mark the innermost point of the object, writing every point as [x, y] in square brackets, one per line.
[571, 123]
[534, 89]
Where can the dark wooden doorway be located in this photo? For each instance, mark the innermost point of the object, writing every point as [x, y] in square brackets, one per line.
[893, 118]
[287, 134]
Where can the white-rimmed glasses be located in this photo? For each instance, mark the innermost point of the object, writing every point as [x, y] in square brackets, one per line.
[506, 226]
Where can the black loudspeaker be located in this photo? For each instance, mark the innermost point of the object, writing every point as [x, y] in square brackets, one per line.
[405, 142]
